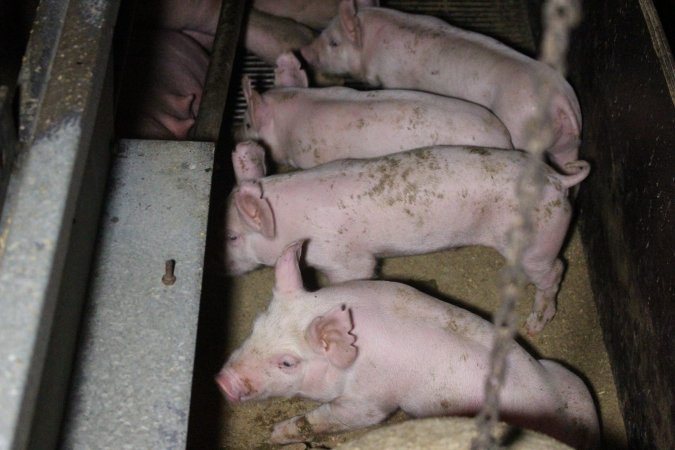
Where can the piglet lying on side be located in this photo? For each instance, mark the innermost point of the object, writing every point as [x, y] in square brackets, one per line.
[367, 348]
[410, 203]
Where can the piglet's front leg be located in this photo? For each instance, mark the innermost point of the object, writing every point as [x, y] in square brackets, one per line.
[327, 418]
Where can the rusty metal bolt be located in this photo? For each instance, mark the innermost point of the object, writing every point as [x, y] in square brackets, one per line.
[169, 278]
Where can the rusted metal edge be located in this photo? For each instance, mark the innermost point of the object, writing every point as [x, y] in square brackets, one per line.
[217, 85]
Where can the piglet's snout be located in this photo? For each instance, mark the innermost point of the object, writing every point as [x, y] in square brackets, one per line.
[230, 385]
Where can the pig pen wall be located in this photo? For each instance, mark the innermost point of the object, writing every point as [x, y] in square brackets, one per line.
[622, 69]
[467, 277]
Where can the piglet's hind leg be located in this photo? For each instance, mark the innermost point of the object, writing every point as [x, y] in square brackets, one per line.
[547, 282]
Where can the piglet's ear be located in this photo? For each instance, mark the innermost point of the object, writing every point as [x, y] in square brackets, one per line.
[289, 72]
[330, 335]
[248, 160]
[350, 21]
[254, 209]
[248, 87]
[287, 276]
[255, 102]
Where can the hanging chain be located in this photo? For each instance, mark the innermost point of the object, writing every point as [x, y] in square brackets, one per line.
[559, 16]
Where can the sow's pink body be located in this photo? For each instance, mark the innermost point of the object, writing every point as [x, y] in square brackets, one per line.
[366, 348]
[355, 211]
[303, 127]
[392, 49]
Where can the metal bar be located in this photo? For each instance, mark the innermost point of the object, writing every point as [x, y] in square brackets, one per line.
[134, 371]
[61, 82]
[211, 110]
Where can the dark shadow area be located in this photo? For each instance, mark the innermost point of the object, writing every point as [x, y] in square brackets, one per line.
[207, 402]
[627, 221]
[666, 11]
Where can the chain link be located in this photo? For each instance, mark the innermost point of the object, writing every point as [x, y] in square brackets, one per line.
[559, 16]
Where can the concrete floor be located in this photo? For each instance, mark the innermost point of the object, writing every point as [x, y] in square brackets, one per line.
[466, 277]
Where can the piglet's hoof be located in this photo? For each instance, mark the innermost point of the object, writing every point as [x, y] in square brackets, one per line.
[296, 429]
[535, 323]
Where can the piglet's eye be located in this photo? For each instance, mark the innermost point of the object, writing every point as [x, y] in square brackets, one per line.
[332, 43]
[288, 363]
[232, 237]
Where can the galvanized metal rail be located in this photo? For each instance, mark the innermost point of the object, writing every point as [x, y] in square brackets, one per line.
[133, 375]
[61, 84]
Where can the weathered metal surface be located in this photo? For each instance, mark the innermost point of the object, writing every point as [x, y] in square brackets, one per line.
[627, 205]
[61, 83]
[34, 77]
[58, 365]
[134, 371]
[216, 88]
[8, 140]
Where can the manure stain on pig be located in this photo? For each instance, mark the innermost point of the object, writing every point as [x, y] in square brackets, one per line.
[557, 185]
[492, 167]
[250, 390]
[421, 31]
[417, 119]
[359, 124]
[410, 46]
[387, 171]
[456, 327]
[549, 209]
